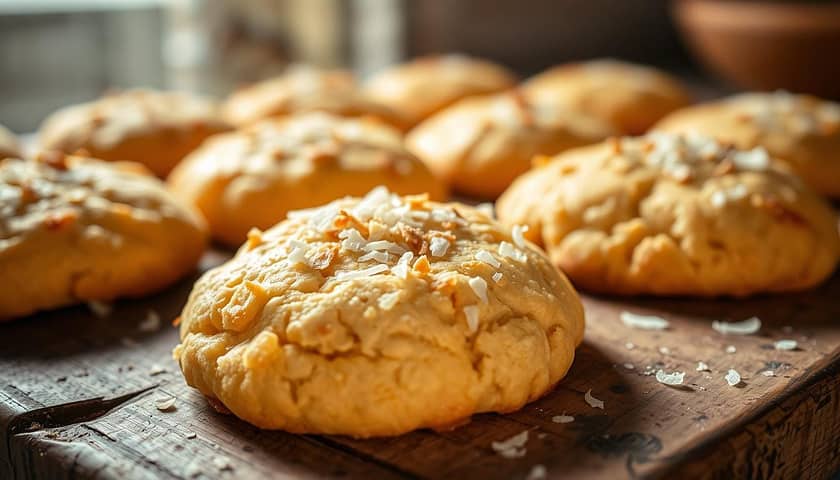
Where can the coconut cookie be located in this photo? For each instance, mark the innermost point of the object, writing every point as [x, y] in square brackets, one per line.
[629, 97]
[74, 230]
[154, 128]
[668, 214]
[377, 316]
[251, 178]
[9, 146]
[481, 144]
[801, 130]
[421, 87]
[305, 89]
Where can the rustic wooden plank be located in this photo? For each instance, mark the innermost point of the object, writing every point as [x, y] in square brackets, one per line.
[645, 430]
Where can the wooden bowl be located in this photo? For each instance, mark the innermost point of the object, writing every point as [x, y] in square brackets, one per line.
[766, 45]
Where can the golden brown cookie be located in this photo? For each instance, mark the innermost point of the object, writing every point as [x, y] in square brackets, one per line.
[251, 178]
[377, 316]
[9, 146]
[629, 97]
[801, 130]
[426, 85]
[481, 144]
[672, 215]
[305, 89]
[75, 230]
[154, 128]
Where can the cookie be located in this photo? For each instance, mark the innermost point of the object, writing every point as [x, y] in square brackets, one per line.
[9, 146]
[801, 130]
[675, 215]
[481, 144]
[377, 316]
[77, 230]
[426, 85]
[251, 178]
[305, 89]
[629, 97]
[154, 128]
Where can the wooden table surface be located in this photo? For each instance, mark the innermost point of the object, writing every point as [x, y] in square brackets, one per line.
[77, 400]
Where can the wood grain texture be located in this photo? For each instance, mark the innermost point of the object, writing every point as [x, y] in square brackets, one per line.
[786, 426]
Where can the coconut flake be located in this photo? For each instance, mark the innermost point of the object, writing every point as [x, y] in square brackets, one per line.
[479, 287]
[644, 322]
[402, 266]
[675, 378]
[785, 345]
[363, 273]
[381, 257]
[165, 404]
[497, 277]
[592, 401]
[664, 350]
[732, 378]
[352, 240]
[298, 252]
[384, 245]
[100, 309]
[702, 367]
[769, 373]
[629, 366]
[755, 159]
[222, 464]
[151, 323]
[745, 327]
[508, 250]
[438, 246]
[471, 313]
[562, 419]
[517, 233]
[629, 345]
[513, 447]
[731, 349]
[388, 300]
[538, 472]
[487, 209]
[488, 258]
[156, 369]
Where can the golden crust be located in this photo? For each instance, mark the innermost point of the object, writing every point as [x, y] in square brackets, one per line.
[304, 89]
[352, 319]
[9, 146]
[251, 178]
[481, 144]
[673, 215]
[629, 97]
[424, 86]
[75, 230]
[156, 129]
[801, 130]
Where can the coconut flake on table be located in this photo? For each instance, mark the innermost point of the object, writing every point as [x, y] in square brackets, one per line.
[479, 287]
[508, 250]
[100, 309]
[732, 377]
[381, 257]
[164, 404]
[702, 367]
[644, 322]
[664, 350]
[402, 266]
[438, 246]
[222, 463]
[151, 323]
[672, 379]
[563, 419]
[363, 273]
[156, 369]
[746, 327]
[497, 277]
[629, 366]
[486, 257]
[769, 373]
[517, 234]
[513, 447]
[388, 300]
[592, 401]
[471, 314]
[538, 472]
[785, 345]
[730, 349]
[352, 240]
[629, 345]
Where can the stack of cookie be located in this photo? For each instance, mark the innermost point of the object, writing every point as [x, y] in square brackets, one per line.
[354, 277]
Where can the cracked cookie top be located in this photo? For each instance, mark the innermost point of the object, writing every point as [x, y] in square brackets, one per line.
[481, 144]
[74, 229]
[377, 316]
[154, 128]
[675, 214]
[801, 130]
[252, 177]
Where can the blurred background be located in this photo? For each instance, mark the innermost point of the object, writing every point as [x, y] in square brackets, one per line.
[57, 52]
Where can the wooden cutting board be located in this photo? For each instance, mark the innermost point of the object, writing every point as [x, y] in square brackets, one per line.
[77, 399]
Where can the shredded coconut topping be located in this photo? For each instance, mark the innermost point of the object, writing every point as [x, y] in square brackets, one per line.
[508, 250]
[297, 254]
[497, 277]
[365, 272]
[479, 287]
[402, 266]
[352, 240]
[383, 245]
[388, 300]
[517, 234]
[438, 246]
[488, 258]
[471, 313]
[381, 257]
